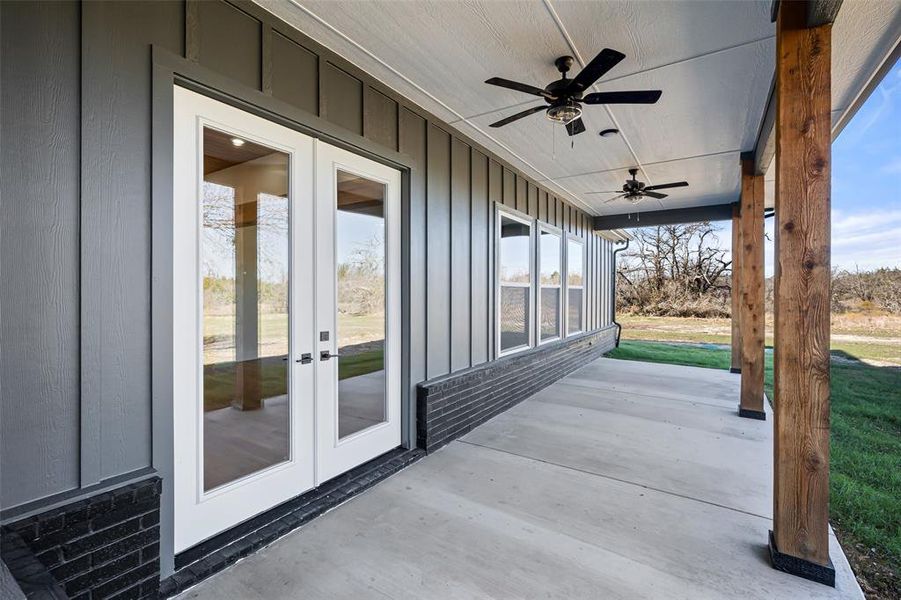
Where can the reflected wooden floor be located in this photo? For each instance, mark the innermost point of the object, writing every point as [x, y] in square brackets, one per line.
[238, 443]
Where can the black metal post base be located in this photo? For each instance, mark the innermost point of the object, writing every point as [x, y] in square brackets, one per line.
[735, 370]
[751, 414]
[800, 567]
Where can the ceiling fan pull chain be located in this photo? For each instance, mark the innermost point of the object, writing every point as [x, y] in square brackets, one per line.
[554, 142]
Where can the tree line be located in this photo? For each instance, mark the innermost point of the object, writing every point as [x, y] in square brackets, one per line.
[681, 271]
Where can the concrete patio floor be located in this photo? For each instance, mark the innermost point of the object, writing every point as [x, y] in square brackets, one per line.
[623, 480]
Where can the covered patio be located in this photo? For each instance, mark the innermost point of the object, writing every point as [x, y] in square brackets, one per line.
[622, 480]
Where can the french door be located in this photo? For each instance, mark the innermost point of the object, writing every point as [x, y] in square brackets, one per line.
[286, 357]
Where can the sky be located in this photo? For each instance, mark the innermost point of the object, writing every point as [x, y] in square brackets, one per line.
[866, 186]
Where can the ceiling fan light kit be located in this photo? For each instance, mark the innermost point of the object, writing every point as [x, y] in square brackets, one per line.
[565, 112]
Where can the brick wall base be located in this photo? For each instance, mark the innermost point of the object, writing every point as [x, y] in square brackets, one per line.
[452, 405]
[101, 547]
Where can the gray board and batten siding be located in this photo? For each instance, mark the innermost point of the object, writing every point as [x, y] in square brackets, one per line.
[77, 181]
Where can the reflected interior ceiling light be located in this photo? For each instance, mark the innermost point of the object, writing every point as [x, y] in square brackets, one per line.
[238, 142]
[565, 112]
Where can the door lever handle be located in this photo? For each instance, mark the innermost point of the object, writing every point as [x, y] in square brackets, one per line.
[305, 358]
[325, 355]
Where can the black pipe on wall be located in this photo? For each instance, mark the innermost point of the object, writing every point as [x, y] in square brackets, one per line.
[619, 328]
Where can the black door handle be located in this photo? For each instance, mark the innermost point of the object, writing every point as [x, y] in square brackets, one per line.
[305, 358]
[325, 355]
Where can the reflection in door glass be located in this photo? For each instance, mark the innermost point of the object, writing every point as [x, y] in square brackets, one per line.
[244, 263]
[360, 245]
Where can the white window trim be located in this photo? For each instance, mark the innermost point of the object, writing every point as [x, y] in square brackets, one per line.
[542, 226]
[573, 237]
[510, 213]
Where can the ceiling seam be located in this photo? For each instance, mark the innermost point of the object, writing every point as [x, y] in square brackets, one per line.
[572, 196]
[572, 45]
[651, 164]
[643, 71]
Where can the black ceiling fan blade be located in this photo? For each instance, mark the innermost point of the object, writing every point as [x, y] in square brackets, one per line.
[518, 115]
[599, 65]
[519, 87]
[636, 97]
[666, 186]
[607, 192]
[614, 198]
[659, 196]
[575, 127]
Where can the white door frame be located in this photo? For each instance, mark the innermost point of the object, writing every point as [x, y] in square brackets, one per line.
[199, 514]
[335, 456]
[316, 453]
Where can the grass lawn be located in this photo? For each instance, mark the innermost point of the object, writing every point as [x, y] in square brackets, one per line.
[360, 364]
[219, 378]
[865, 482]
[874, 339]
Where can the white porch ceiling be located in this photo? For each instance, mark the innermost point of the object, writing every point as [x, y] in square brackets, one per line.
[713, 61]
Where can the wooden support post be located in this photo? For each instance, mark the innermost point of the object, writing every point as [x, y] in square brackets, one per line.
[736, 270]
[799, 542]
[750, 293]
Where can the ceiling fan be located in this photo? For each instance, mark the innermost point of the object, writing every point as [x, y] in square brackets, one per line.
[564, 98]
[634, 190]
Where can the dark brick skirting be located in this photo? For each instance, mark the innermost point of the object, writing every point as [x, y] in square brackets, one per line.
[452, 405]
[100, 547]
[217, 553]
[31, 579]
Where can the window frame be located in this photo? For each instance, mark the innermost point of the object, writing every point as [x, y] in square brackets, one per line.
[503, 211]
[542, 226]
[567, 333]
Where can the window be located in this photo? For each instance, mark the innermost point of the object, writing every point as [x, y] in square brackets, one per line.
[575, 281]
[514, 277]
[550, 283]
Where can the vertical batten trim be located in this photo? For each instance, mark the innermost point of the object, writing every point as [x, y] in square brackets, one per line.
[192, 30]
[266, 59]
[90, 343]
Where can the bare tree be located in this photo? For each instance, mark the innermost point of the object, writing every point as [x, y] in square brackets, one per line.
[675, 270]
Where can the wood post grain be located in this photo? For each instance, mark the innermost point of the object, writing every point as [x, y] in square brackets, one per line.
[750, 291]
[736, 270]
[802, 286]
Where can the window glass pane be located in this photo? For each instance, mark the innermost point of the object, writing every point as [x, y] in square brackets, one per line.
[574, 310]
[514, 267]
[574, 273]
[550, 313]
[575, 277]
[514, 317]
[550, 258]
[550, 279]
[514, 251]
[360, 244]
[244, 264]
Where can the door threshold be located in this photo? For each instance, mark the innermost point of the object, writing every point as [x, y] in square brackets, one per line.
[215, 554]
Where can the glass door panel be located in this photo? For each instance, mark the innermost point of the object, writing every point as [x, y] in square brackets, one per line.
[243, 395]
[358, 307]
[360, 270]
[244, 261]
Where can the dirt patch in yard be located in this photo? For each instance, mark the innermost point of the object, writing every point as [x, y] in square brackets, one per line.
[874, 573]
